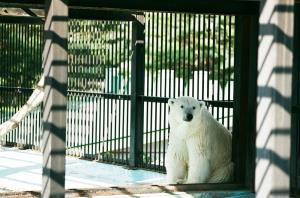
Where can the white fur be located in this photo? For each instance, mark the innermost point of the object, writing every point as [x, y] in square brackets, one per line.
[199, 150]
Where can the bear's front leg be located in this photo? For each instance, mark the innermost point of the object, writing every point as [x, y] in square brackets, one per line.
[198, 165]
[199, 170]
[176, 169]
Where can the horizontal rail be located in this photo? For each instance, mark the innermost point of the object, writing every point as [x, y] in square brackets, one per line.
[208, 102]
[195, 6]
[104, 95]
[19, 89]
[74, 14]
[101, 15]
[127, 97]
[21, 19]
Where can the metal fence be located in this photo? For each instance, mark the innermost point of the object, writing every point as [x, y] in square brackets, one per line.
[99, 87]
[185, 54]
[21, 60]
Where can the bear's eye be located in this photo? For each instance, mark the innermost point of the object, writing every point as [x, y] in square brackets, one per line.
[181, 106]
[194, 107]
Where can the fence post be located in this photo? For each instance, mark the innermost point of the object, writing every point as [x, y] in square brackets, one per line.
[245, 74]
[275, 61]
[295, 150]
[55, 63]
[137, 90]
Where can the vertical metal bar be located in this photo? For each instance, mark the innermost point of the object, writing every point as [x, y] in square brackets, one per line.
[35, 57]
[161, 17]
[166, 64]
[199, 52]
[103, 143]
[32, 53]
[128, 102]
[107, 106]
[213, 61]
[184, 54]
[203, 54]
[224, 63]
[156, 85]
[100, 50]
[208, 58]
[219, 62]
[137, 89]
[194, 51]
[107, 128]
[123, 92]
[54, 114]
[179, 54]
[170, 17]
[18, 83]
[16, 138]
[119, 90]
[167, 68]
[2, 59]
[229, 71]
[147, 25]
[148, 36]
[175, 49]
[12, 137]
[188, 53]
[152, 82]
[117, 101]
[160, 84]
[90, 97]
[147, 67]
[115, 87]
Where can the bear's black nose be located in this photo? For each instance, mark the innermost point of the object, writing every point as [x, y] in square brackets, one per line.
[188, 117]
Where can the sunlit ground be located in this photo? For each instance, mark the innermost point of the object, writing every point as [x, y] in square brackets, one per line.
[21, 170]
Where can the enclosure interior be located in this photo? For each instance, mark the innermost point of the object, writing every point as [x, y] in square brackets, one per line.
[185, 54]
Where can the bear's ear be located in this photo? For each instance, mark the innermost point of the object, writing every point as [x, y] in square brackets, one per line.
[202, 104]
[171, 101]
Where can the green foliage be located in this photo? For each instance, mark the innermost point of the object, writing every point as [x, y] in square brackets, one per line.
[95, 46]
[20, 46]
[194, 43]
[191, 43]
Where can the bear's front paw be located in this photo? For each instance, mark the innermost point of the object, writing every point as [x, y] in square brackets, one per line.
[195, 180]
[179, 181]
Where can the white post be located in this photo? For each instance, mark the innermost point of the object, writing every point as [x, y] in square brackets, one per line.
[273, 124]
[55, 62]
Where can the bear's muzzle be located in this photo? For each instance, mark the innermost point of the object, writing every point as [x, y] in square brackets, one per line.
[188, 117]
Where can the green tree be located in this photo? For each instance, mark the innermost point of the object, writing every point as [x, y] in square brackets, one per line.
[20, 57]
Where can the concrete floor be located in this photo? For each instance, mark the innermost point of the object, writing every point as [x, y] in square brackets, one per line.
[21, 170]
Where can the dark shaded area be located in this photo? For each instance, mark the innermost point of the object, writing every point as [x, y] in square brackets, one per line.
[295, 148]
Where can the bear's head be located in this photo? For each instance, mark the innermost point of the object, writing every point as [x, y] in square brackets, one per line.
[185, 110]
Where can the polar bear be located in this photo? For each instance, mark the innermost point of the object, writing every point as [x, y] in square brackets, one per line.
[199, 149]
